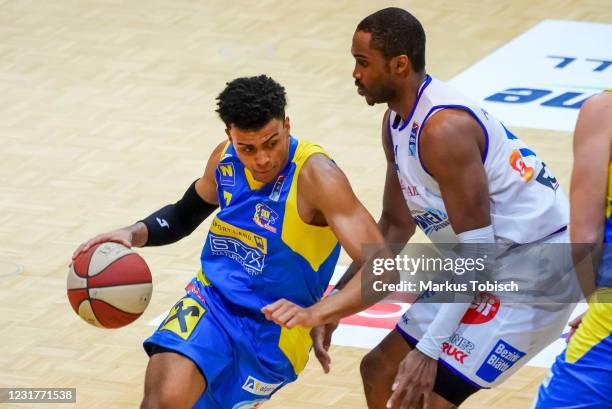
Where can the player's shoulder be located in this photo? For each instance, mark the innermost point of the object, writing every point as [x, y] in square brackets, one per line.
[449, 127]
[317, 169]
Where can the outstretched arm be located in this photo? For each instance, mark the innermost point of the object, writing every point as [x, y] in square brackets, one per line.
[326, 190]
[451, 148]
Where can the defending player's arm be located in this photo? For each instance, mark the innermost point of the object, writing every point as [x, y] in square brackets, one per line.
[592, 144]
[395, 223]
[326, 190]
[172, 222]
[451, 148]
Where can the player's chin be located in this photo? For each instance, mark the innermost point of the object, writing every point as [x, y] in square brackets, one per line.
[369, 100]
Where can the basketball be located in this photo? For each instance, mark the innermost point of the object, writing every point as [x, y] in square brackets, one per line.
[109, 285]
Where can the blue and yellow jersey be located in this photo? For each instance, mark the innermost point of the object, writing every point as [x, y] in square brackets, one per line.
[258, 249]
[604, 273]
[581, 375]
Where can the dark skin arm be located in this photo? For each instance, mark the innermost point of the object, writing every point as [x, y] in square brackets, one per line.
[451, 147]
[136, 235]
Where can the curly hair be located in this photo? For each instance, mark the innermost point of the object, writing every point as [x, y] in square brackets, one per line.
[396, 32]
[249, 103]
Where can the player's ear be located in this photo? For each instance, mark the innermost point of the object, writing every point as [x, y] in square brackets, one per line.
[401, 65]
[287, 125]
[227, 132]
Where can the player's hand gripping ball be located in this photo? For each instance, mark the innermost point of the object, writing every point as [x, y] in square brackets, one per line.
[109, 285]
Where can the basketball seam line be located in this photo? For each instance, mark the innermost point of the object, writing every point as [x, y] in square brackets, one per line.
[112, 262]
[118, 309]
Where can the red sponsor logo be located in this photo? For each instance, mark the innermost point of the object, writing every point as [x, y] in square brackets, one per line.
[455, 352]
[483, 309]
[192, 289]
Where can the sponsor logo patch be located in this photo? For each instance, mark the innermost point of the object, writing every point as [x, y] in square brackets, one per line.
[242, 246]
[412, 140]
[183, 317]
[458, 347]
[483, 309]
[500, 359]
[227, 176]
[430, 220]
[257, 387]
[265, 217]
[278, 187]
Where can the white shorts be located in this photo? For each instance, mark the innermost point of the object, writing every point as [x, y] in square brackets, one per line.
[495, 338]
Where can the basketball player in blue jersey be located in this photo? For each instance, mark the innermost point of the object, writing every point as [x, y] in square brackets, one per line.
[581, 376]
[284, 206]
[458, 174]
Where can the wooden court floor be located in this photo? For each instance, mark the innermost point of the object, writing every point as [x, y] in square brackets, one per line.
[107, 113]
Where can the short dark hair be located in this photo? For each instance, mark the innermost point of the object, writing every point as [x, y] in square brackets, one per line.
[396, 32]
[249, 103]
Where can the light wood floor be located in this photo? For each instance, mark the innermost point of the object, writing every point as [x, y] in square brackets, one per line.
[107, 112]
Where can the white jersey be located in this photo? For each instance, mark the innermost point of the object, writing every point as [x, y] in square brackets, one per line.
[526, 201]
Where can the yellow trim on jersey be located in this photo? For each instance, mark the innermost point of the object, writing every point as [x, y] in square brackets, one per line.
[596, 325]
[220, 227]
[222, 154]
[203, 279]
[314, 243]
[254, 184]
[295, 344]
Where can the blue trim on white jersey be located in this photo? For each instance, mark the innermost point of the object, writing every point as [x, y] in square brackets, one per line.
[439, 108]
[416, 102]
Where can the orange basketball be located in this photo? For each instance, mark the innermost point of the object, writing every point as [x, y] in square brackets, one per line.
[109, 285]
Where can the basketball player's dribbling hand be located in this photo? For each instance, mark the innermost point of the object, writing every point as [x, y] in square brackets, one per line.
[414, 382]
[321, 341]
[121, 236]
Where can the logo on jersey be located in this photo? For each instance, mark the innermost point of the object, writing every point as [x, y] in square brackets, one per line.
[257, 387]
[227, 196]
[183, 317]
[412, 139]
[483, 309]
[458, 347]
[278, 186]
[242, 246]
[546, 178]
[500, 359]
[430, 220]
[227, 176]
[265, 217]
[518, 164]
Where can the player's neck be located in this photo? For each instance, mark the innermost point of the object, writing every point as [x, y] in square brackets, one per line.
[407, 95]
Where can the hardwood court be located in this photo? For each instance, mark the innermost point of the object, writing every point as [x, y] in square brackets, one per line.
[107, 113]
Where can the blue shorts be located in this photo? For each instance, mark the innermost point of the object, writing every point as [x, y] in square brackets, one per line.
[244, 358]
[581, 376]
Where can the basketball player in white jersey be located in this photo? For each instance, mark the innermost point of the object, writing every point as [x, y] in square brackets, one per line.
[458, 174]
